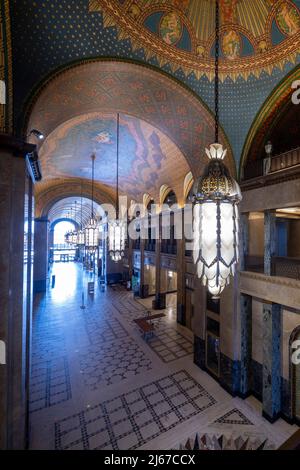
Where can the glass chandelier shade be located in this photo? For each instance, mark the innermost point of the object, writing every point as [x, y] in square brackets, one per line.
[80, 238]
[74, 237]
[91, 236]
[116, 239]
[216, 223]
[117, 227]
[68, 237]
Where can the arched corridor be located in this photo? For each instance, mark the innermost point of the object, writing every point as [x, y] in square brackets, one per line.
[149, 225]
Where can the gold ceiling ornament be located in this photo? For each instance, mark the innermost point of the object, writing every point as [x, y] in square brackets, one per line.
[266, 57]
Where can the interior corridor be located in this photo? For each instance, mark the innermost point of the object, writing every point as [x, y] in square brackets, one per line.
[97, 384]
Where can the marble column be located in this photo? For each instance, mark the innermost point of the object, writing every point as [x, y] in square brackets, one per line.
[271, 361]
[180, 262]
[246, 343]
[244, 240]
[50, 241]
[200, 293]
[160, 298]
[270, 241]
[40, 270]
[14, 289]
[143, 287]
[130, 258]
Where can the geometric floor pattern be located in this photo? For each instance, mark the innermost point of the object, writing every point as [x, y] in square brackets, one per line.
[112, 362]
[130, 420]
[234, 416]
[97, 384]
[50, 379]
[168, 343]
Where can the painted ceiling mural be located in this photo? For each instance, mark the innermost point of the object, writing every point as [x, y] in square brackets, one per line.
[260, 45]
[146, 155]
[256, 35]
[133, 90]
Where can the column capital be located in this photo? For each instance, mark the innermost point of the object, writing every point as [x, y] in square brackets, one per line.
[42, 219]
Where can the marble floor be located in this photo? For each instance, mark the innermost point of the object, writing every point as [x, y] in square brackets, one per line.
[97, 384]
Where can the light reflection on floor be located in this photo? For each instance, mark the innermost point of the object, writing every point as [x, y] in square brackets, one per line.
[96, 383]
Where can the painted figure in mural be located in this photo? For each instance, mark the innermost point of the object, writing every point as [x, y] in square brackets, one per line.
[288, 19]
[231, 45]
[103, 137]
[200, 51]
[170, 28]
[134, 10]
[262, 46]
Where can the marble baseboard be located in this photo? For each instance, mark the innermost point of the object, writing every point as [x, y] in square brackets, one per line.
[230, 374]
[256, 379]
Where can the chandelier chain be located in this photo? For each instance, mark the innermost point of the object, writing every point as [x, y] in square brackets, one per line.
[117, 188]
[217, 55]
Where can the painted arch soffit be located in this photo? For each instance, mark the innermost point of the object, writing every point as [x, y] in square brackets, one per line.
[256, 36]
[139, 93]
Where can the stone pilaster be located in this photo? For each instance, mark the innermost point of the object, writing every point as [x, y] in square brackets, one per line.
[15, 299]
[199, 323]
[160, 299]
[40, 270]
[244, 240]
[271, 361]
[246, 343]
[181, 314]
[143, 288]
[270, 241]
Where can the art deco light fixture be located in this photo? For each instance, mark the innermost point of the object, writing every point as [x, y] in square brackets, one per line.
[91, 230]
[117, 228]
[80, 235]
[216, 217]
[74, 233]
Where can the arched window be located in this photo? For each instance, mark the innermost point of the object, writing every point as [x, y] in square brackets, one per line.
[170, 199]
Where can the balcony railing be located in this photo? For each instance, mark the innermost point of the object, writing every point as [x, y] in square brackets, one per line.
[286, 267]
[281, 266]
[272, 165]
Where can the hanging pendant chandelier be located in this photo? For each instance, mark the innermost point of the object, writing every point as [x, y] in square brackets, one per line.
[216, 216]
[91, 230]
[117, 228]
[80, 234]
[68, 235]
[74, 233]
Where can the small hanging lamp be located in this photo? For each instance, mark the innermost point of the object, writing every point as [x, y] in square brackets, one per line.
[80, 234]
[216, 217]
[91, 230]
[74, 236]
[117, 228]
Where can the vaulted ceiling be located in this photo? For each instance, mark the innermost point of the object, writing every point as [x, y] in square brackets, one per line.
[164, 128]
[259, 44]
